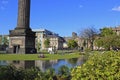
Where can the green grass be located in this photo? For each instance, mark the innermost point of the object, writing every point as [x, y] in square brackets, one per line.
[35, 56]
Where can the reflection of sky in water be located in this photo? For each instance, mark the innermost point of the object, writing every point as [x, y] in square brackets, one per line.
[66, 63]
[3, 63]
[61, 63]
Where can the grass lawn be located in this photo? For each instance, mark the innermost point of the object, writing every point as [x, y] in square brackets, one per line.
[35, 56]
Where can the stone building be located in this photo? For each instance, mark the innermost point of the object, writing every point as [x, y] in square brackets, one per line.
[56, 41]
[117, 30]
[42, 34]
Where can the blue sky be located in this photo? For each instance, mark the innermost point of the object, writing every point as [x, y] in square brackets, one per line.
[62, 16]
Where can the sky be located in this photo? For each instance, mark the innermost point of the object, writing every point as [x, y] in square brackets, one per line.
[62, 16]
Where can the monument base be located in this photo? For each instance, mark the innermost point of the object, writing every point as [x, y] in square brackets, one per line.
[22, 41]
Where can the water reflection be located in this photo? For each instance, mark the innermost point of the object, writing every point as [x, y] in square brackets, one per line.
[46, 64]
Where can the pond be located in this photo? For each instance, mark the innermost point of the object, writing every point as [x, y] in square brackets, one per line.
[46, 64]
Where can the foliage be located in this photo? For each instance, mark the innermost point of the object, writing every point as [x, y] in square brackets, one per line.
[107, 32]
[102, 66]
[49, 74]
[5, 41]
[72, 43]
[11, 73]
[108, 39]
[47, 43]
[64, 72]
[7, 73]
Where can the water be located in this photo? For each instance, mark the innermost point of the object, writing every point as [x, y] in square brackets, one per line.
[46, 64]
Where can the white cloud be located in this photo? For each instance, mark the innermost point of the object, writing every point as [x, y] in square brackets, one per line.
[116, 8]
[2, 7]
[80, 6]
[3, 4]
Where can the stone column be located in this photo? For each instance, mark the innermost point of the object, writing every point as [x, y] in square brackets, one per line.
[23, 20]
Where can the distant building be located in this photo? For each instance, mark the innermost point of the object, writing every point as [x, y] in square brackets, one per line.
[55, 41]
[82, 43]
[117, 30]
[42, 34]
[74, 35]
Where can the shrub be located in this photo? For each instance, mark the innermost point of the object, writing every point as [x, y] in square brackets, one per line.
[103, 66]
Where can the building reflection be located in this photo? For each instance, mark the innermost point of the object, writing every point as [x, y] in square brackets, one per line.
[43, 65]
[22, 64]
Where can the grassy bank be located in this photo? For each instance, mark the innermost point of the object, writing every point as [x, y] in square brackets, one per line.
[36, 56]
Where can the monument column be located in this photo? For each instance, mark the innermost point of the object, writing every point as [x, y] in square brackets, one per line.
[23, 14]
[22, 38]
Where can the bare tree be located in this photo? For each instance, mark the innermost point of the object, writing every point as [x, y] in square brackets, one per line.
[88, 35]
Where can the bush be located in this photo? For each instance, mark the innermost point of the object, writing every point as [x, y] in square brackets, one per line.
[103, 66]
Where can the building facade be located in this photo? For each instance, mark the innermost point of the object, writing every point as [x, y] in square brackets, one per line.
[43, 34]
[116, 30]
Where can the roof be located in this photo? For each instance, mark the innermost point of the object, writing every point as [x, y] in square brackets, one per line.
[38, 30]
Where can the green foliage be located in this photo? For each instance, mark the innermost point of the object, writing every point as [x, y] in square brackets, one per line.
[64, 72]
[107, 32]
[5, 41]
[72, 44]
[108, 39]
[49, 74]
[100, 66]
[47, 43]
[12, 73]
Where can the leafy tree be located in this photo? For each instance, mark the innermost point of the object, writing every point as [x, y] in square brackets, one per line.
[108, 39]
[72, 43]
[5, 41]
[47, 43]
[106, 32]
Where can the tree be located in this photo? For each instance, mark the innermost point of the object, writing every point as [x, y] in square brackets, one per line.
[88, 35]
[108, 39]
[106, 32]
[5, 41]
[72, 43]
[47, 43]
